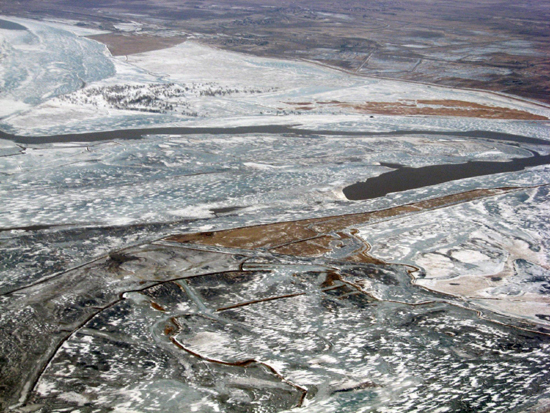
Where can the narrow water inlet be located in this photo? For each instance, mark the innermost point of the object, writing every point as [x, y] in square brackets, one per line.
[404, 178]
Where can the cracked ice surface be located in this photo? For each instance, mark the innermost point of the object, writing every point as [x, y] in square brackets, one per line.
[160, 180]
[493, 251]
[338, 346]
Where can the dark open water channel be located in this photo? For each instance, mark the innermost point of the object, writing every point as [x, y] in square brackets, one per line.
[267, 129]
[401, 179]
[405, 178]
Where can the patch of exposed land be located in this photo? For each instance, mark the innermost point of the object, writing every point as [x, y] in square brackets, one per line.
[120, 44]
[321, 236]
[426, 107]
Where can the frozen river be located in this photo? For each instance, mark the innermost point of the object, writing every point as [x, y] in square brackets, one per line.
[224, 250]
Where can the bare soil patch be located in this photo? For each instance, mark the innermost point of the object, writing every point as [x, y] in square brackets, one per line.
[438, 108]
[319, 236]
[127, 44]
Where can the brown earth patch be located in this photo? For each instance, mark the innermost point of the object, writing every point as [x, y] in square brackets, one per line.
[157, 307]
[262, 236]
[127, 44]
[308, 248]
[439, 108]
[318, 236]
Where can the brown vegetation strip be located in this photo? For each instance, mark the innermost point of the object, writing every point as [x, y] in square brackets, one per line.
[313, 237]
[157, 307]
[436, 107]
[315, 247]
[127, 44]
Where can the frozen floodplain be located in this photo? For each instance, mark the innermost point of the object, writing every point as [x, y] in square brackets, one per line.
[176, 235]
